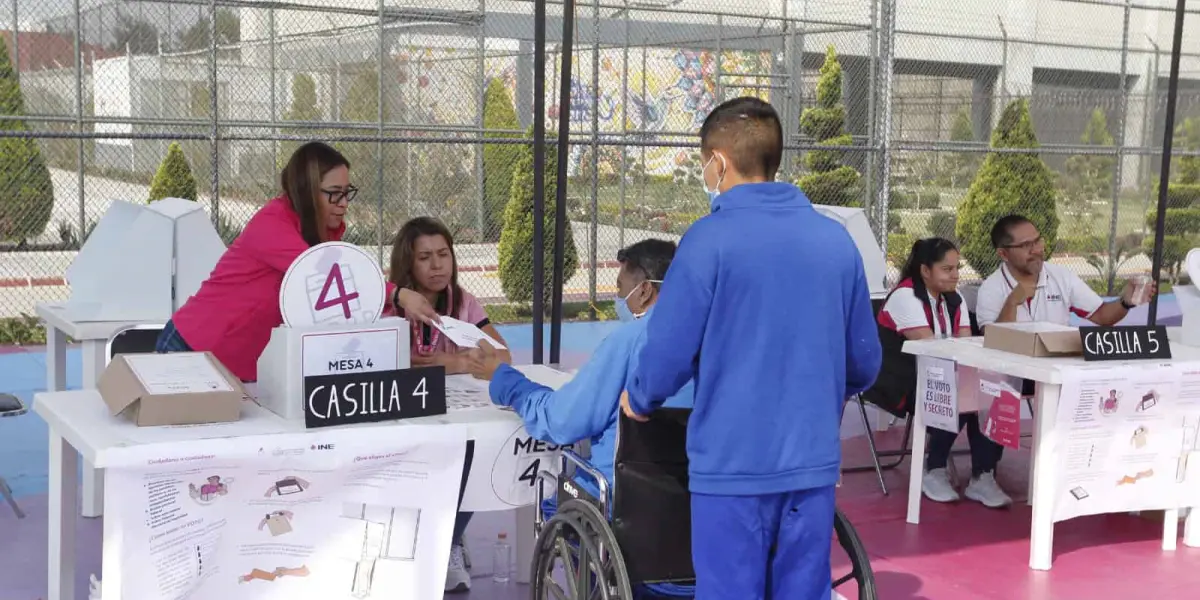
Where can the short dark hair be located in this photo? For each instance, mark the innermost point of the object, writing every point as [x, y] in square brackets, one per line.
[748, 131]
[649, 258]
[1002, 230]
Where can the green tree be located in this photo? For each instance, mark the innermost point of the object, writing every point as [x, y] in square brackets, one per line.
[174, 177]
[26, 194]
[1181, 225]
[499, 118]
[303, 108]
[1087, 179]
[1007, 183]
[961, 166]
[516, 239]
[196, 37]
[137, 35]
[829, 181]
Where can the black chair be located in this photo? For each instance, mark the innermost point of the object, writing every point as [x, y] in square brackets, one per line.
[11, 406]
[135, 339]
[639, 533]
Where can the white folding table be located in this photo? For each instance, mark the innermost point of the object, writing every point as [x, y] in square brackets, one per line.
[1047, 372]
[80, 426]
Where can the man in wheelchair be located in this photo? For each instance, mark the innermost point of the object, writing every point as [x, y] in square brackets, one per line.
[586, 408]
[632, 539]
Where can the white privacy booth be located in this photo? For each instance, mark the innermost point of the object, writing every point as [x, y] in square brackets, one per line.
[142, 262]
[855, 221]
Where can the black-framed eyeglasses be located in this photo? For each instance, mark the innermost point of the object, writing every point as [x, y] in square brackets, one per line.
[336, 196]
[1028, 245]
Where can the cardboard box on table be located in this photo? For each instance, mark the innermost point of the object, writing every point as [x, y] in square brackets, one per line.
[160, 402]
[142, 261]
[1033, 339]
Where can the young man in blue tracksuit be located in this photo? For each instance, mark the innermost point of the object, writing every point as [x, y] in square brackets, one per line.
[766, 307]
[586, 407]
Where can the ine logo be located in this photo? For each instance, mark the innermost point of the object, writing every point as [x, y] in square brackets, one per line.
[322, 447]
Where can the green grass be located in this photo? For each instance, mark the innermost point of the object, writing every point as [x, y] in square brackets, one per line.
[505, 314]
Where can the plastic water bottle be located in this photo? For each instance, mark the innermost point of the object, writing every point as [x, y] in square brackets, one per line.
[501, 559]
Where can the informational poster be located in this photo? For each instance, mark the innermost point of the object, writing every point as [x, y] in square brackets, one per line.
[1126, 439]
[937, 393]
[297, 519]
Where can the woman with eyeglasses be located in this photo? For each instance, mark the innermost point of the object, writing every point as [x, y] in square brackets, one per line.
[236, 308]
[926, 304]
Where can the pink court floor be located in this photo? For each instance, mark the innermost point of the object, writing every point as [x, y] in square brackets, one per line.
[958, 552]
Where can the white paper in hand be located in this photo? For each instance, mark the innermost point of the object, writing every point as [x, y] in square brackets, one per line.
[464, 334]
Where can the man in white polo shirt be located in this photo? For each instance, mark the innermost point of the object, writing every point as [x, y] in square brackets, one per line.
[1026, 288]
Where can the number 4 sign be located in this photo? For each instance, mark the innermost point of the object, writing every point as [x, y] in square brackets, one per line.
[332, 283]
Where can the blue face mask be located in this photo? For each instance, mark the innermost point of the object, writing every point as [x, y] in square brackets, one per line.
[716, 191]
[622, 305]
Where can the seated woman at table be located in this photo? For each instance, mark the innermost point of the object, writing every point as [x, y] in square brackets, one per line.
[926, 304]
[236, 308]
[423, 262]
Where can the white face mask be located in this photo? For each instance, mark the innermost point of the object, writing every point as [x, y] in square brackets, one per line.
[716, 191]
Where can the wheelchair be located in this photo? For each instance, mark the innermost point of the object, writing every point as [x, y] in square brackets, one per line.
[638, 545]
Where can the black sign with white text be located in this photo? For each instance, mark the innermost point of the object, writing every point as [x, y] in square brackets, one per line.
[358, 397]
[1125, 343]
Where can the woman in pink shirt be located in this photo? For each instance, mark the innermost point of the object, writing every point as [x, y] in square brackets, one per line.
[236, 308]
[423, 261]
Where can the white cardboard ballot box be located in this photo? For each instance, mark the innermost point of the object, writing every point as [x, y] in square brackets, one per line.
[142, 262]
[294, 352]
[855, 221]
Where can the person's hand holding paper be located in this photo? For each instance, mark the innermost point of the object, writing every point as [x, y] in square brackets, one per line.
[483, 361]
[464, 334]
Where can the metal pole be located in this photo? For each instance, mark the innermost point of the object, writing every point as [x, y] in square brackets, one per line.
[214, 155]
[16, 36]
[645, 136]
[1003, 61]
[539, 174]
[624, 125]
[595, 220]
[873, 117]
[1147, 130]
[560, 204]
[274, 84]
[888, 47]
[481, 101]
[80, 158]
[1168, 140]
[1122, 116]
[379, 232]
[720, 54]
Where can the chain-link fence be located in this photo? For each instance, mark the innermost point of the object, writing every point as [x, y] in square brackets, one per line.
[920, 111]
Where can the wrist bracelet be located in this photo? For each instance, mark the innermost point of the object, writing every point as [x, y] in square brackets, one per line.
[1126, 305]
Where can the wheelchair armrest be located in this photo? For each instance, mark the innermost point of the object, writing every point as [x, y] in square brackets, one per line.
[569, 456]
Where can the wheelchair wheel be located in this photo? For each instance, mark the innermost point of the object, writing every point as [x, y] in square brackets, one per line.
[860, 563]
[579, 540]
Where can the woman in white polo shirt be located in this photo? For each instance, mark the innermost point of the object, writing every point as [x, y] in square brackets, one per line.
[926, 304]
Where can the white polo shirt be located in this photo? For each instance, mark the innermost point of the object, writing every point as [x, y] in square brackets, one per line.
[1059, 293]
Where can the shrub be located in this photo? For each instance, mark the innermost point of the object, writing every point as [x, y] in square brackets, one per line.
[1007, 183]
[303, 108]
[498, 159]
[26, 193]
[829, 181]
[516, 238]
[942, 224]
[1181, 225]
[174, 177]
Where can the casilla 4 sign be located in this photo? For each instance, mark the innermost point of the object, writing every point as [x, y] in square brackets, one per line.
[374, 396]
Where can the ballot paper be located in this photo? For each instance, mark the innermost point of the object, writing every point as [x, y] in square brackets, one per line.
[464, 334]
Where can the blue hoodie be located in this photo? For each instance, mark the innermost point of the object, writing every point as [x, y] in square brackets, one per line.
[766, 307]
[586, 407]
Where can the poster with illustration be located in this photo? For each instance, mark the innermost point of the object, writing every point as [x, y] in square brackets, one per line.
[345, 521]
[1126, 439]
